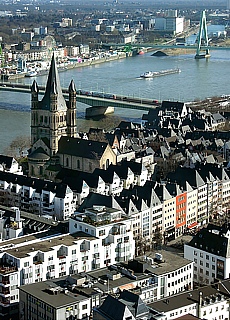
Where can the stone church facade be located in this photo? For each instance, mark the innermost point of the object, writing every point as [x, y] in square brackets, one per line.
[53, 120]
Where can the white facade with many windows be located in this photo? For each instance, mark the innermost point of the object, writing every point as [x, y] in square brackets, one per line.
[209, 250]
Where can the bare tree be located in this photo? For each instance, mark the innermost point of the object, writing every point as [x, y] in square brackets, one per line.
[18, 147]
[157, 239]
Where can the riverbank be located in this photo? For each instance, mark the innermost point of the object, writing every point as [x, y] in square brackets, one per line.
[93, 61]
[69, 66]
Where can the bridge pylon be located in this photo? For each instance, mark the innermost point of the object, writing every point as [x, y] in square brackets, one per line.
[202, 32]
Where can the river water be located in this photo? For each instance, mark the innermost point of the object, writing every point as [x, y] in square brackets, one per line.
[198, 79]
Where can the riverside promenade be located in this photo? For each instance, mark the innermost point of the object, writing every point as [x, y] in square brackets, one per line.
[71, 65]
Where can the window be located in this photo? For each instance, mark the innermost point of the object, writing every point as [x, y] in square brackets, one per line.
[84, 306]
[102, 232]
[41, 170]
[107, 163]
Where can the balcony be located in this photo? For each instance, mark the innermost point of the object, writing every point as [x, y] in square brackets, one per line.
[4, 269]
[5, 292]
[38, 262]
[115, 233]
[4, 302]
[61, 257]
[46, 205]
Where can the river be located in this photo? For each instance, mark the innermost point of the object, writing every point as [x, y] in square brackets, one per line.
[198, 79]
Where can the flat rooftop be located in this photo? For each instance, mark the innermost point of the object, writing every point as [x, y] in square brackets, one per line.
[60, 298]
[43, 241]
[170, 262]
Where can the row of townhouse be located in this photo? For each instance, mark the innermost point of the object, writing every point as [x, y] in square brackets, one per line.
[38, 54]
[109, 182]
[59, 199]
[41, 197]
[188, 199]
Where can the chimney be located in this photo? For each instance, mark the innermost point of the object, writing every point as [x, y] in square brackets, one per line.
[199, 305]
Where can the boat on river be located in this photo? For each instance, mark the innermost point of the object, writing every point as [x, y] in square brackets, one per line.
[152, 74]
[31, 74]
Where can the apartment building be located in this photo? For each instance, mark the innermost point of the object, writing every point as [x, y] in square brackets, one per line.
[113, 230]
[55, 300]
[41, 197]
[48, 255]
[209, 250]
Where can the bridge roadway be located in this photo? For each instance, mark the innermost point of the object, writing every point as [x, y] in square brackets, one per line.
[104, 100]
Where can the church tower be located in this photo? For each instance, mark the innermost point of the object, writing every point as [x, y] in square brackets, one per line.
[71, 111]
[51, 118]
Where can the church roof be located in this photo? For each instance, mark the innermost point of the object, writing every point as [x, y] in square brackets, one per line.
[82, 148]
[39, 154]
[53, 86]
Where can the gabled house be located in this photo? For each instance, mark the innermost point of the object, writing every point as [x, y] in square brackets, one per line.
[127, 306]
[9, 164]
[42, 197]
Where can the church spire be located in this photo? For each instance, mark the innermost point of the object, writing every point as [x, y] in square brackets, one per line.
[34, 87]
[53, 86]
[71, 111]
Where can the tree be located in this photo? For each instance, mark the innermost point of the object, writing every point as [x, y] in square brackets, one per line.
[110, 122]
[157, 239]
[142, 245]
[18, 147]
[98, 136]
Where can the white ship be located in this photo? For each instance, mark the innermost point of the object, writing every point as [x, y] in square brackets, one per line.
[152, 74]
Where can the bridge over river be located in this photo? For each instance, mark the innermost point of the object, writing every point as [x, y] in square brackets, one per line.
[100, 103]
[202, 47]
